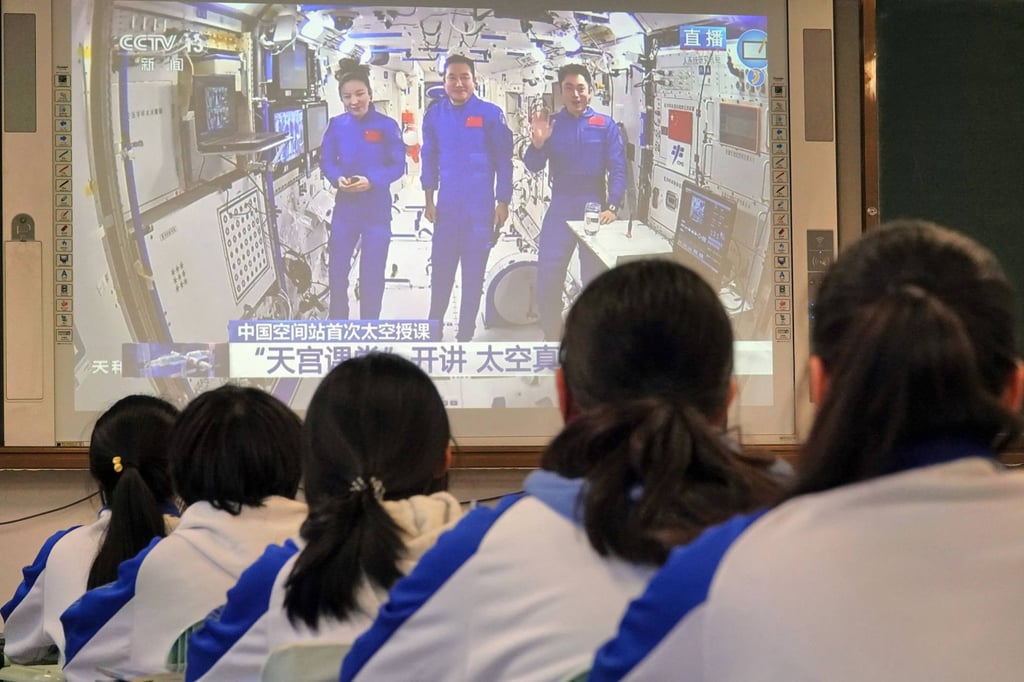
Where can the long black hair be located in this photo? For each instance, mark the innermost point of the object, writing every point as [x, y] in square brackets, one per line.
[376, 429]
[915, 331]
[128, 459]
[234, 446]
[647, 360]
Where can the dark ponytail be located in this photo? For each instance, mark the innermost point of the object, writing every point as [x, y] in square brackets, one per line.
[376, 430]
[915, 330]
[128, 457]
[647, 366]
[349, 538]
[905, 374]
[656, 474]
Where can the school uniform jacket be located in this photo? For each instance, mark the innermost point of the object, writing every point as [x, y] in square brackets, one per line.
[914, 577]
[514, 592]
[236, 640]
[53, 582]
[130, 625]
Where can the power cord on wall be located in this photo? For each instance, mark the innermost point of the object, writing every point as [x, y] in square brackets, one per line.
[50, 511]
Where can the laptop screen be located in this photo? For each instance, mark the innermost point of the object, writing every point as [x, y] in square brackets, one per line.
[703, 230]
[214, 101]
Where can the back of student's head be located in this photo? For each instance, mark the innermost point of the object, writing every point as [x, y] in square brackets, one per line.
[647, 365]
[914, 330]
[234, 446]
[128, 458]
[375, 430]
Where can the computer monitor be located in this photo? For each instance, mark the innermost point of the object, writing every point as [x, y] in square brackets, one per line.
[290, 77]
[316, 119]
[289, 120]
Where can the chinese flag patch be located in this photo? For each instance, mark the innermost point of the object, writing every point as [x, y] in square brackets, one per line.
[371, 135]
[474, 121]
[596, 121]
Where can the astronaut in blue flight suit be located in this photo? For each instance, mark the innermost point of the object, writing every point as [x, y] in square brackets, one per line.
[361, 155]
[579, 147]
[467, 150]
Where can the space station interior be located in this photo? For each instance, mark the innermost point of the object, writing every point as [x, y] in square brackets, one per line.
[201, 124]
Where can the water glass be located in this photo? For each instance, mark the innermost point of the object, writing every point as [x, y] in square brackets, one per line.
[592, 218]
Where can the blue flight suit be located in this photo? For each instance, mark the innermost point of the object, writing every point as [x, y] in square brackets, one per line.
[370, 146]
[468, 151]
[579, 153]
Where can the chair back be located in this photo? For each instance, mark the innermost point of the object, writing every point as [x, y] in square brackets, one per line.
[305, 662]
[178, 654]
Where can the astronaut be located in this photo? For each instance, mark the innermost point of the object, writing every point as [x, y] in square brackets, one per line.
[362, 154]
[579, 147]
[467, 150]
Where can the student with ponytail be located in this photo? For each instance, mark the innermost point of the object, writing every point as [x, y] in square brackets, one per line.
[376, 448]
[897, 556]
[527, 590]
[235, 463]
[128, 459]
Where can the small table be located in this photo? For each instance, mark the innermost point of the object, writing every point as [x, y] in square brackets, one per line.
[613, 247]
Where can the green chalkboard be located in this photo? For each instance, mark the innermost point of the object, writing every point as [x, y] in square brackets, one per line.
[950, 79]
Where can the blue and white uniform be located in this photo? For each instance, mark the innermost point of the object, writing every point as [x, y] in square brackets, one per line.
[370, 146]
[130, 625]
[914, 576]
[579, 153]
[58, 576]
[235, 642]
[512, 593]
[467, 151]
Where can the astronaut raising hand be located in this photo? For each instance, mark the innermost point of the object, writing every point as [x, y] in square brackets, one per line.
[541, 126]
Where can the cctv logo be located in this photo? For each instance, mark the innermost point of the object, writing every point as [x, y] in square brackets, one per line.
[155, 43]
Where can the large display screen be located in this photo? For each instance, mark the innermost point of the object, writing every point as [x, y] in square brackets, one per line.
[194, 266]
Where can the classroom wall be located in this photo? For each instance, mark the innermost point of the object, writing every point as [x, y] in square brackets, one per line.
[23, 493]
[26, 492]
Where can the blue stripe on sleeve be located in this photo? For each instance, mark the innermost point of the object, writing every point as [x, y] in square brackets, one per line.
[678, 588]
[248, 600]
[434, 569]
[31, 573]
[87, 616]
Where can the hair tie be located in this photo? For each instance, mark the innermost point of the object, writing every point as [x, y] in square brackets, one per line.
[359, 485]
[118, 467]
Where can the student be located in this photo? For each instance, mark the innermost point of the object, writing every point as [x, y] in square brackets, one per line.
[361, 155]
[898, 555]
[467, 151]
[579, 147]
[527, 590]
[128, 460]
[375, 448]
[235, 463]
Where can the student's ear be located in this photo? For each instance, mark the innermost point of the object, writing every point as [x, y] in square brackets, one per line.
[445, 464]
[1013, 393]
[566, 405]
[819, 379]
